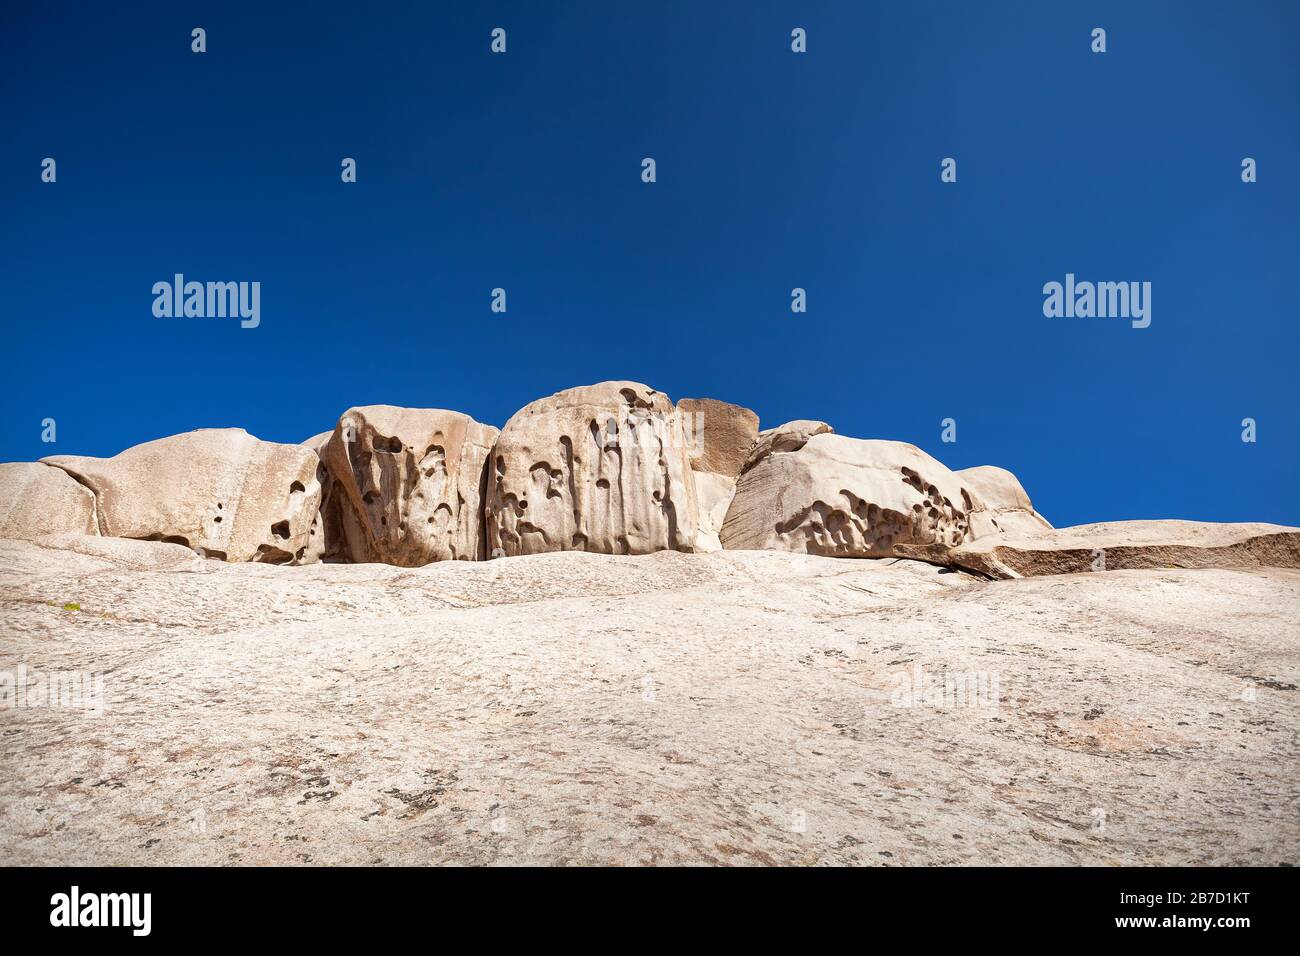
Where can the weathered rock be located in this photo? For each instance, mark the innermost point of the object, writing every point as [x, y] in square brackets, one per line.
[93, 553]
[807, 490]
[317, 442]
[720, 435]
[36, 499]
[216, 489]
[406, 486]
[785, 438]
[1005, 499]
[671, 710]
[602, 468]
[318, 548]
[1123, 545]
[713, 496]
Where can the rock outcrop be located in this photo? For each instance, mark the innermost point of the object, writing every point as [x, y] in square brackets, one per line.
[1009, 508]
[219, 490]
[1123, 545]
[37, 499]
[720, 437]
[613, 468]
[785, 438]
[318, 548]
[807, 490]
[405, 486]
[602, 468]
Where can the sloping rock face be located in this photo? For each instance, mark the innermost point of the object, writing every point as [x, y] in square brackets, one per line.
[720, 436]
[318, 549]
[810, 491]
[405, 486]
[216, 489]
[1008, 505]
[788, 437]
[602, 468]
[37, 499]
[1124, 545]
[713, 497]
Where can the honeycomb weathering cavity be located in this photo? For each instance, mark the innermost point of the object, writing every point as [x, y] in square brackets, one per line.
[218, 490]
[603, 468]
[405, 486]
[845, 497]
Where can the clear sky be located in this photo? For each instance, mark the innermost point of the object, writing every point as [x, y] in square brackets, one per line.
[775, 170]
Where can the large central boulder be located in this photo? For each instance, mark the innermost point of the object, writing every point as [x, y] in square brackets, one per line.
[219, 490]
[808, 490]
[602, 468]
[405, 486]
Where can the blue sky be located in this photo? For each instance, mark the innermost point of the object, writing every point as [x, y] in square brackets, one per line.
[775, 170]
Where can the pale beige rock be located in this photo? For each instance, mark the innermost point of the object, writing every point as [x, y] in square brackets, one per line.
[602, 468]
[720, 435]
[86, 554]
[713, 495]
[785, 438]
[807, 490]
[1123, 545]
[216, 489]
[317, 442]
[405, 486]
[318, 547]
[738, 708]
[37, 499]
[1005, 499]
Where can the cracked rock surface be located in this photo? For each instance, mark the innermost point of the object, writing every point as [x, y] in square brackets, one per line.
[738, 707]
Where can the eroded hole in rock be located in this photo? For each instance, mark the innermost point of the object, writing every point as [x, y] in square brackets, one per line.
[280, 530]
[392, 444]
[297, 487]
[269, 554]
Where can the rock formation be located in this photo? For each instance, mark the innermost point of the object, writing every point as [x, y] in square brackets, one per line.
[613, 468]
[36, 499]
[216, 489]
[405, 486]
[1120, 546]
[805, 489]
[720, 437]
[1009, 508]
[318, 548]
[602, 468]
